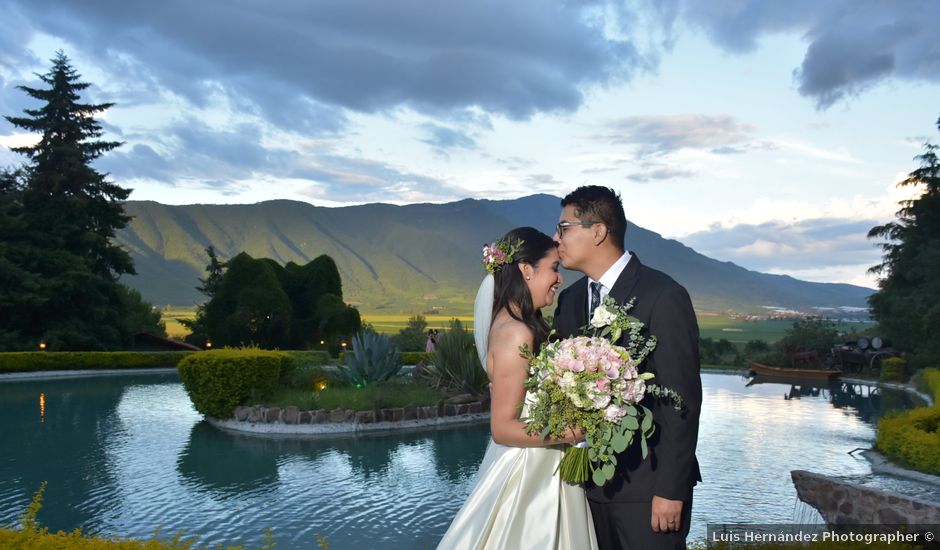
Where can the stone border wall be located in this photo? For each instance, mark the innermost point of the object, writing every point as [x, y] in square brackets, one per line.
[293, 421]
[844, 503]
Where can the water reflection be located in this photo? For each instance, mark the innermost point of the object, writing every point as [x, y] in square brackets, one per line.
[116, 450]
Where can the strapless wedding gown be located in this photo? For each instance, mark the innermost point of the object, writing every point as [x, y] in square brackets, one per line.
[519, 502]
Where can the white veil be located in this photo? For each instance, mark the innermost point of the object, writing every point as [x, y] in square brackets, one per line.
[483, 316]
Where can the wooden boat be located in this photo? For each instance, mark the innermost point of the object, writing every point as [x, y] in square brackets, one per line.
[783, 372]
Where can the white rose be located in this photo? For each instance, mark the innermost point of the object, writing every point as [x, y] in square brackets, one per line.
[602, 317]
[566, 380]
[613, 413]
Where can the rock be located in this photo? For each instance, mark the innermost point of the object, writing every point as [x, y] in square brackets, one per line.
[291, 415]
[255, 414]
[241, 413]
[365, 417]
[320, 416]
[272, 415]
[440, 408]
[846, 508]
[461, 399]
[463, 409]
[398, 414]
[450, 409]
[304, 417]
[410, 412]
[476, 408]
[337, 415]
[351, 415]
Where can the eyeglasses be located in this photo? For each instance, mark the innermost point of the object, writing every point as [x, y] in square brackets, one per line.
[562, 226]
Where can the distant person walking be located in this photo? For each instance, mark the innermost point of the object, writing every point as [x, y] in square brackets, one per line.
[431, 344]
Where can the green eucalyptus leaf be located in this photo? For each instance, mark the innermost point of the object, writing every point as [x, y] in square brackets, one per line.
[598, 477]
[647, 422]
[644, 449]
[630, 423]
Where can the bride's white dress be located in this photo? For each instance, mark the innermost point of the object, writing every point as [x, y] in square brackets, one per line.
[519, 501]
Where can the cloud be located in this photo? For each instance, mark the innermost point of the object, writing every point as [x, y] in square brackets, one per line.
[443, 138]
[661, 172]
[663, 134]
[515, 59]
[780, 247]
[852, 45]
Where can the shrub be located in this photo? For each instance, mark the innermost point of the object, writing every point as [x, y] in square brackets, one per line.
[28, 361]
[930, 384]
[415, 357]
[912, 439]
[894, 369]
[372, 359]
[455, 362]
[414, 336]
[218, 381]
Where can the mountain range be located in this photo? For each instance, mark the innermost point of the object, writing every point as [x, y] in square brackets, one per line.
[418, 257]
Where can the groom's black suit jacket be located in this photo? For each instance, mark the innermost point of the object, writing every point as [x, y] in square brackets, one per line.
[671, 469]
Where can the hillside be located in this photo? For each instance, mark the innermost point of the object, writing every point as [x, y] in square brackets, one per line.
[415, 257]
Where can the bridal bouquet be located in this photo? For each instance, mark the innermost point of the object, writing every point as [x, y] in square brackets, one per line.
[588, 382]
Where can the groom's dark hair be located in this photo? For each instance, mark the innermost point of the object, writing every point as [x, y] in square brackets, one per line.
[600, 204]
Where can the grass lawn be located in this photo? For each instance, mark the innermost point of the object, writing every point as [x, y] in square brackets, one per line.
[390, 394]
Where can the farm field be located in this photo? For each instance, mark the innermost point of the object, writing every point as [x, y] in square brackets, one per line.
[738, 331]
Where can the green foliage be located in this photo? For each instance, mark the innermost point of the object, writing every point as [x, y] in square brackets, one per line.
[415, 357]
[138, 315]
[809, 334]
[60, 218]
[414, 336]
[894, 369]
[930, 383]
[456, 366]
[907, 304]
[371, 397]
[372, 359]
[912, 439]
[259, 302]
[28, 361]
[218, 381]
[720, 352]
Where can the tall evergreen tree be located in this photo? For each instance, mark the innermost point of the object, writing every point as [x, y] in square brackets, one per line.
[68, 214]
[907, 304]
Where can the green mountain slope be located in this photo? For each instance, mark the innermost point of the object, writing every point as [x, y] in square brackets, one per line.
[415, 257]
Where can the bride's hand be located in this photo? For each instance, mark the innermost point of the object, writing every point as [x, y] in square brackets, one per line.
[574, 435]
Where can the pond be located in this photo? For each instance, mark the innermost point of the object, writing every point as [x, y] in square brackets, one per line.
[127, 455]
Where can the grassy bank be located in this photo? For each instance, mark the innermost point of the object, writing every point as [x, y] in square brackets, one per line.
[912, 439]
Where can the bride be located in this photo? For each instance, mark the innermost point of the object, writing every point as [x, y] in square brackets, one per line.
[519, 501]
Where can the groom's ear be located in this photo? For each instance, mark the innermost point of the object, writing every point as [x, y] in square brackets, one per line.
[600, 233]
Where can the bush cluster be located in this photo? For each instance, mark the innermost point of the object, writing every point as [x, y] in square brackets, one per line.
[218, 381]
[894, 369]
[912, 439]
[28, 361]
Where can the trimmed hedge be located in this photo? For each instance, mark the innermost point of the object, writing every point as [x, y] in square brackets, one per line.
[29, 361]
[930, 383]
[218, 381]
[912, 439]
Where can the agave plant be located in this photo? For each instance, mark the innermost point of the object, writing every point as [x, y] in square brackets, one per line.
[456, 365]
[372, 359]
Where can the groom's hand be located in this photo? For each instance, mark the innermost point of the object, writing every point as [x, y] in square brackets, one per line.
[667, 514]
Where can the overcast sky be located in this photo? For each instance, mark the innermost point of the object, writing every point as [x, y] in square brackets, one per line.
[766, 133]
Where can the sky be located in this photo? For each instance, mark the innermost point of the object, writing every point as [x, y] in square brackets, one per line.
[769, 134]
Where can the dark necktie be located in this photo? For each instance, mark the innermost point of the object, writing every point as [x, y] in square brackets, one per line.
[595, 297]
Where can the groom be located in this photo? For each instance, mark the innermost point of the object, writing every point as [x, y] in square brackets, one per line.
[648, 504]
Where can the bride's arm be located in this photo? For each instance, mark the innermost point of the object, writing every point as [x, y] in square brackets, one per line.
[508, 374]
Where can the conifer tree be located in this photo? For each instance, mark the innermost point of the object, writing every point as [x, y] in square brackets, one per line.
[67, 216]
[907, 304]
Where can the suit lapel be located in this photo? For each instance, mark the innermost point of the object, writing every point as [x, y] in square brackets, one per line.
[579, 289]
[627, 281]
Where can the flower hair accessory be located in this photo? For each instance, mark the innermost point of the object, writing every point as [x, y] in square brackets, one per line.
[498, 254]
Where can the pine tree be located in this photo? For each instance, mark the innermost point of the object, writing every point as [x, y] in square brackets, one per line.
[907, 304]
[68, 216]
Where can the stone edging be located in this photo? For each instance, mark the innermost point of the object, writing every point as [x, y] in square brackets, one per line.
[292, 421]
[57, 374]
[880, 464]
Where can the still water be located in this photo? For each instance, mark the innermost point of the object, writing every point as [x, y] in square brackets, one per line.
[127, 455]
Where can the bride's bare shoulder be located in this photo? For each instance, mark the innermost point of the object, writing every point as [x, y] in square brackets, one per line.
[508, 332]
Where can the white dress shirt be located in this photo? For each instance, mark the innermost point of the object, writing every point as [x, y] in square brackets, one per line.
[609, 278]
